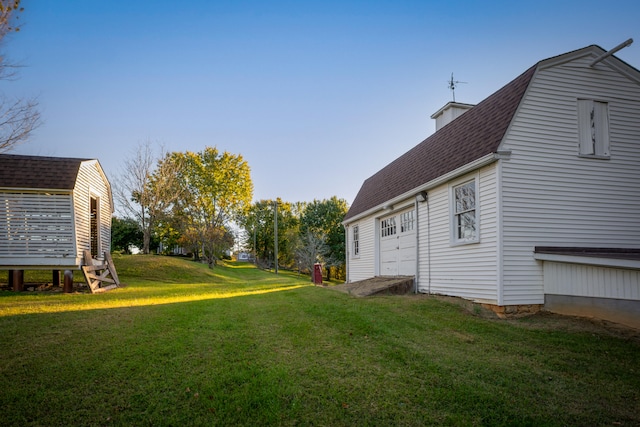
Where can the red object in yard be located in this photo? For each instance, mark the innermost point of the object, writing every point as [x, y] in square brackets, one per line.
[317, 274]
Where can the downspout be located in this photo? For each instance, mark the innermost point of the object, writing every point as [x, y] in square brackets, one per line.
[421, 197]
[416, 281]
[500, 237]
[428, 248]
[346, 252]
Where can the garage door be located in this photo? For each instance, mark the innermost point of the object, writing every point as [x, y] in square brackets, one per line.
[398, 244]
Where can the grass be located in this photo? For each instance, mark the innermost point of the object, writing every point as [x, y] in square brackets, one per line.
[185, 345]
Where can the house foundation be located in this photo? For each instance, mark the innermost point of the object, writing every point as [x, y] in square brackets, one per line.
[513, 311]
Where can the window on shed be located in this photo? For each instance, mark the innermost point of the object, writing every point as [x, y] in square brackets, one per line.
[593, 128]
[464, 213]
[388, 227]
[356, 240]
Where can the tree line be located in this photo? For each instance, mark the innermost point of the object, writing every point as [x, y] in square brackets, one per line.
[201, 202]
[307, 233]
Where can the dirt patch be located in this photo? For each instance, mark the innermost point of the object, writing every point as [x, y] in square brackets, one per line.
[546, 320]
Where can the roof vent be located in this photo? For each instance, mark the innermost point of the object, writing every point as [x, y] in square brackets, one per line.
[449, 112]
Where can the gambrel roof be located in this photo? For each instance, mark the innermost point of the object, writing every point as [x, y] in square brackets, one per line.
[471, 136]
[36, 172]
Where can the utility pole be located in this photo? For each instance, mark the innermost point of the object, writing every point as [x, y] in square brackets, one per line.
[275, 232]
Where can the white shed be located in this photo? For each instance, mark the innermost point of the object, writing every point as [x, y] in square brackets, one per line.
[51, 210]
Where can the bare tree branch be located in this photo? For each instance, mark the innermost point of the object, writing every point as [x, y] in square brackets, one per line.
[146, 188]
[310, 250]
[18, 117]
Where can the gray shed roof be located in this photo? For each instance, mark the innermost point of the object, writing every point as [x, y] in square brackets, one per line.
[473, 135]
[36, 172]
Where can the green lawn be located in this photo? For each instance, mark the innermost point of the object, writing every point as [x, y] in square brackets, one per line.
[185, 345]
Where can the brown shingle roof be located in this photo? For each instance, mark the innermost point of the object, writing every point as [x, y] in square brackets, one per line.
[36, 172]
[473, 135]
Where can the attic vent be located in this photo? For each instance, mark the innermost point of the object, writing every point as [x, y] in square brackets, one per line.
[449, 112]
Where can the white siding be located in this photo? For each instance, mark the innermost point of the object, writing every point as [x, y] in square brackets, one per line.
[90, 183]
[553, 197]
[363, 266]
[591, 281]
[469, 270]
[35, 227]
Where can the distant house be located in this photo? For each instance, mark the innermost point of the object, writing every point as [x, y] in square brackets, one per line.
[528, 199]
[244, 256]
[51, 210]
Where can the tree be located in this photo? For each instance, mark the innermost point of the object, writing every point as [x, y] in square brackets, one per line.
[323, 219]
[216, 188]
[146, 188]
[311, 249]
[167, 235]
[217, 241]
[258, 223]
[125, 233]
[18, 117]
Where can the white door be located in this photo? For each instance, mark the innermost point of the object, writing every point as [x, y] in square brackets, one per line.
[389, 246]
[398, 244]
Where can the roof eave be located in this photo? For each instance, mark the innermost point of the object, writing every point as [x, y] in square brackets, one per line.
[442, 179]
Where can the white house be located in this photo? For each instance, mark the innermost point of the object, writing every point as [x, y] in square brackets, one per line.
[51, 210]
[530, 198]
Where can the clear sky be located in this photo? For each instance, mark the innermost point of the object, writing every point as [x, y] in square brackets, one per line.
[316, 95]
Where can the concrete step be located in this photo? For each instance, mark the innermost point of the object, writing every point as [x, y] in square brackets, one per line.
[397, 285]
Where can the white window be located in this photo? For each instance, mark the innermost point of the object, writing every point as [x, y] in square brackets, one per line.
[356, 240]
[388, 227]
[465, 215]
[406, 221]
[593, 128]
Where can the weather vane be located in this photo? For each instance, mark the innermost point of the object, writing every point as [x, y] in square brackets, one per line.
[452, 86]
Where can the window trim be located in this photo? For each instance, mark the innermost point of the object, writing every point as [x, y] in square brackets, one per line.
[453, 214]
[355, 241]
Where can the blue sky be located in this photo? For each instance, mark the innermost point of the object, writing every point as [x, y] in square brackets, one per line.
[316, 95]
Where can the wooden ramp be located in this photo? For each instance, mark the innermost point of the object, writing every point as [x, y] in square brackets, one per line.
[381, 285]
[100, 277]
